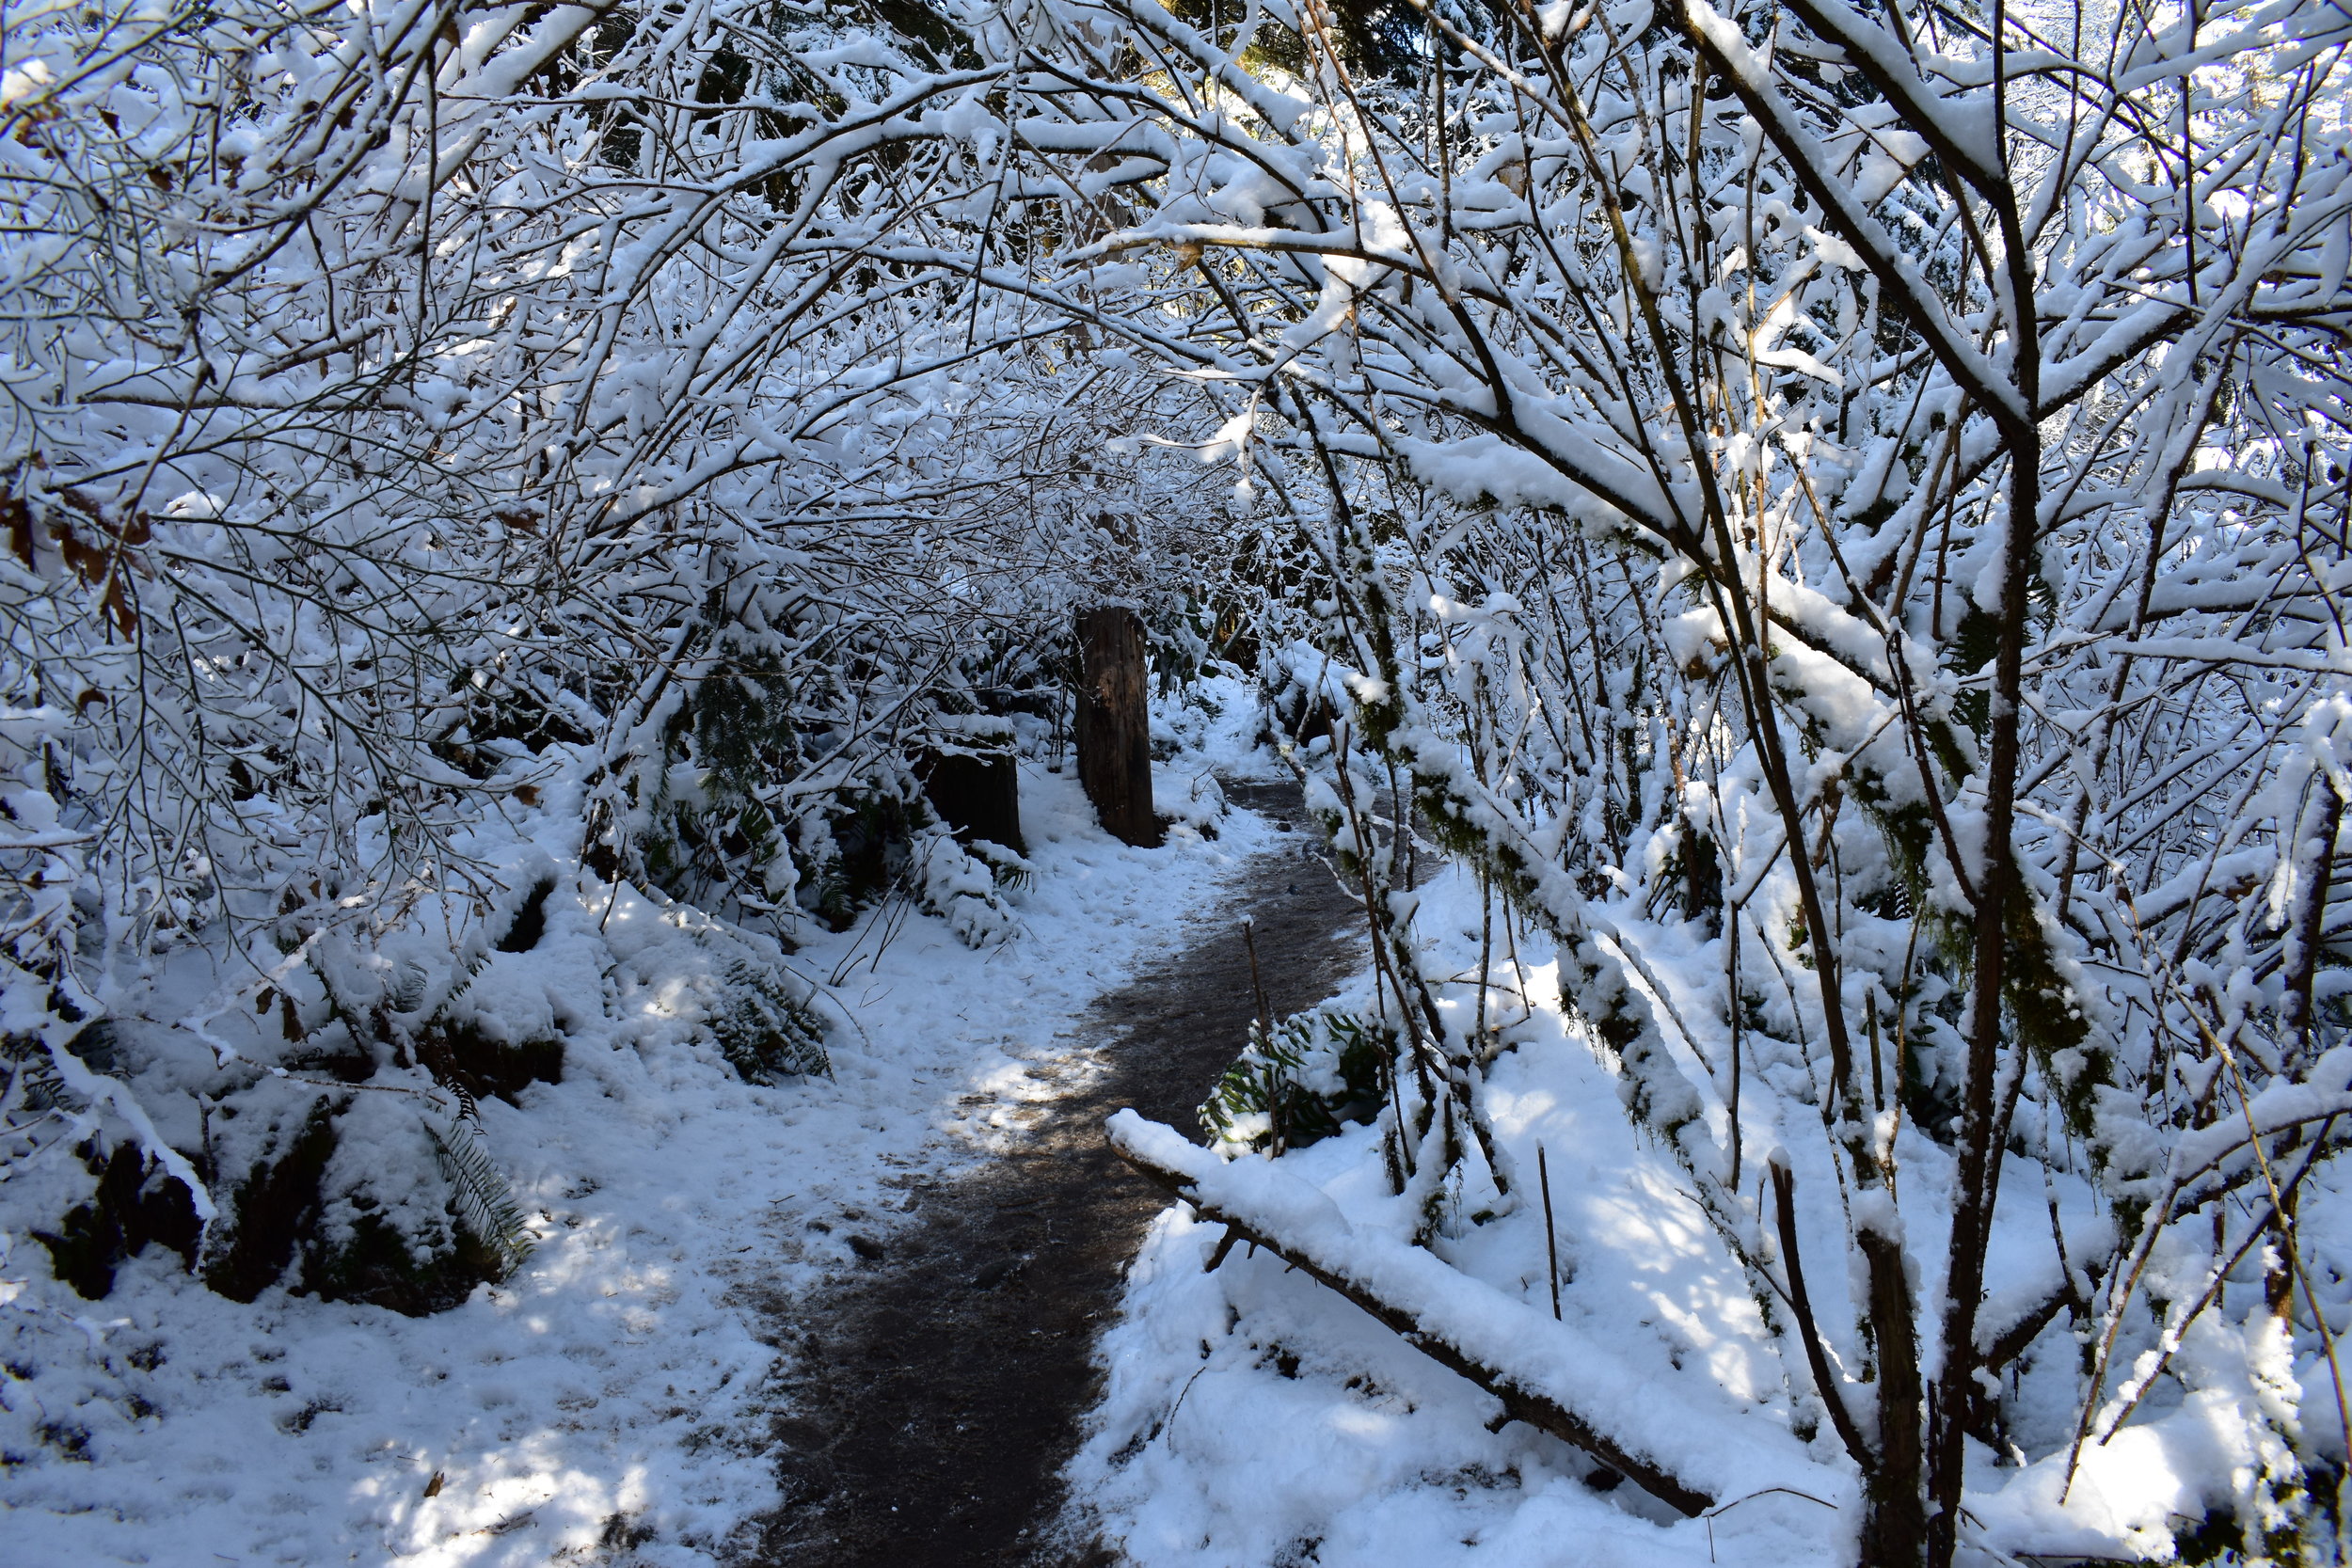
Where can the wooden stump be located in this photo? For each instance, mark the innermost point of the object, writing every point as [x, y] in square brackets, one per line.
[1114, 727]
[973, 784]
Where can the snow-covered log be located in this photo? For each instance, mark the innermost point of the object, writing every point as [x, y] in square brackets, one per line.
[1544, 1372]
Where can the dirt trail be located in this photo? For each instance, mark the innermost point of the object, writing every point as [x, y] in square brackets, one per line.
[938, 1392]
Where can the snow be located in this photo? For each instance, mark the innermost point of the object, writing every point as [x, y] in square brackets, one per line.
[2134, 1488]
[611, 1390]
[1253, 1416]
[742, 430]
[1250, 1412]
[1511, 1336]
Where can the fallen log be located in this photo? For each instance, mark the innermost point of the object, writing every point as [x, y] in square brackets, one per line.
[1183, 1170]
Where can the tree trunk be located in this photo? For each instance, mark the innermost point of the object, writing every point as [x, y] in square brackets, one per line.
[1895, 1515]
[1114, 728]
[1998, 890]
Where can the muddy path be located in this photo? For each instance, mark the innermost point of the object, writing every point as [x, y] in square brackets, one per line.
[937, 1392]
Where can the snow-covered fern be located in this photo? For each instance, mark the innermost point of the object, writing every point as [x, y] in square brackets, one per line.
[962, 885]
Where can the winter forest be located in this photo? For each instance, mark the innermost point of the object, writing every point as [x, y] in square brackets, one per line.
[1189, 783]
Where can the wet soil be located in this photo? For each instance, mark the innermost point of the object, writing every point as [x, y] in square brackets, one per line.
[937, 1393]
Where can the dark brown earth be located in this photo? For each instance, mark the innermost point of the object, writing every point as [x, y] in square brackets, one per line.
[937, 1395]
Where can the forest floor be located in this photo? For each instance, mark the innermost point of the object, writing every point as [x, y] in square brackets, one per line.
[635, 1394]
[936, 1392]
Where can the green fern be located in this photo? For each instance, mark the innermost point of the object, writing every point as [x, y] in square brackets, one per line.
[1011, 871]
[766, 1033]
[486, 1204]
[1317, 1070]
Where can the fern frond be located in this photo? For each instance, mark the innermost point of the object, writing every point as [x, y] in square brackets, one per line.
[486, 1204]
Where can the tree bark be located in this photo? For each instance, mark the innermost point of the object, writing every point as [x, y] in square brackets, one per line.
[1894, 1520]
[1998, 889]
[1114, 730]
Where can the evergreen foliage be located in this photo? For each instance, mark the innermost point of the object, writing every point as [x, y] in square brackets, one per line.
[1314, 1072]
[765, 1026]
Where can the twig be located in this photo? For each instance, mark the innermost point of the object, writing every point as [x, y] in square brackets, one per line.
[1833, 1400]
[1551, 1231]
[1725, 1507]
[1249, 939]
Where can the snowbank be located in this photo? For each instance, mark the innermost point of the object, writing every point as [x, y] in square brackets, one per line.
[607, 1401]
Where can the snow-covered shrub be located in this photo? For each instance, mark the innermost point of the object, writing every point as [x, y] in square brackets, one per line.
[1195, 801]
[1299, 694]
[963, 885]
[847, 849]
[378, 1192]
[723, 982]
[1833, 435]
[665, 555]
[1317, 1071]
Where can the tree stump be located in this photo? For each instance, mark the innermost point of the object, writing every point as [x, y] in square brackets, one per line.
[1114, 726]
[973, 781]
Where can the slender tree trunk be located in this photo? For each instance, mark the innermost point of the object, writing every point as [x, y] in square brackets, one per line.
[1895, 1525]
[1114, 728]
[1978, 1155]
[2310, 921]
